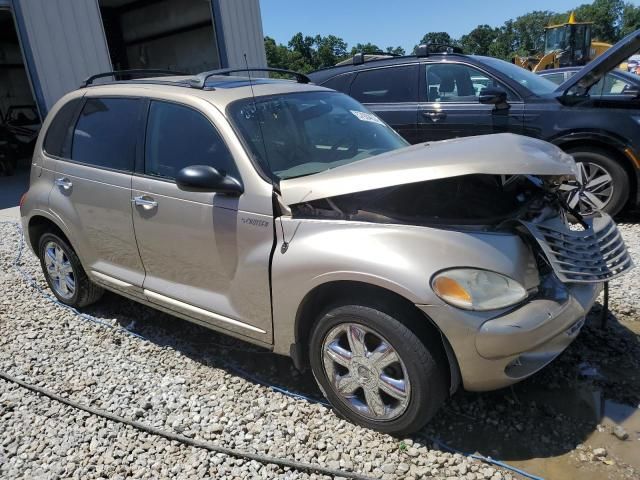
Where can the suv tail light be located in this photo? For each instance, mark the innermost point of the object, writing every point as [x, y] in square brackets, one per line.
[23, 198]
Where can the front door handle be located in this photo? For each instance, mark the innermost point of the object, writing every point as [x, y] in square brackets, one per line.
[64, 183]
[435, 116]
[145, 202]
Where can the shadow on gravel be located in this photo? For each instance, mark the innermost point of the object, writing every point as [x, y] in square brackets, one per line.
[547, 415]
[557, 409]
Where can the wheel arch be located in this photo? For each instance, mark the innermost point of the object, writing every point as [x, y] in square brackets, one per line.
[41, 224]
[329, 294]
[611, 144]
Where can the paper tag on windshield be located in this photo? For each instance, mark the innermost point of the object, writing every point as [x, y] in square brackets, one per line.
[367, 117]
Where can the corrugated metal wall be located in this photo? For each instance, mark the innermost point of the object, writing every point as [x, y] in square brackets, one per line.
[242, 29]
[66, 41]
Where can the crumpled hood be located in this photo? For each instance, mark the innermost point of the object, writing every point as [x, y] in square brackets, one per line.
[498, 154]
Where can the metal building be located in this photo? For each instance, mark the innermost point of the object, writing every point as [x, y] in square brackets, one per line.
[47, 47]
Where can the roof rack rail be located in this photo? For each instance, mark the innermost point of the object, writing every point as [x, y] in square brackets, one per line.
[361, 57]
[199, 80]
[429, 48]
[117, 73]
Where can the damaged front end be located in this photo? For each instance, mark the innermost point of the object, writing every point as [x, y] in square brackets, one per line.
[577, 250]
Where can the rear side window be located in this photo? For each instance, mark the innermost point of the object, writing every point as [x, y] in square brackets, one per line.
[386, 85]
[105, 134]
[178, 137]
[340, 82]
[55, 143]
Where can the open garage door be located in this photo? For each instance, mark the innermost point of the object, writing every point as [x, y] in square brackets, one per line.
[168, 34]
[19, 118]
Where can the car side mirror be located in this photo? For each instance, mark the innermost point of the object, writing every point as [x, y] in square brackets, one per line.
[203, 178]
[494, 96]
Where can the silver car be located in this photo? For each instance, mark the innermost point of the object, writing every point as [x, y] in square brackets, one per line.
[288, 215]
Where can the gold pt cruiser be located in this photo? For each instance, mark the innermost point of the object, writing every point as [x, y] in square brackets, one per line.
[288, 215]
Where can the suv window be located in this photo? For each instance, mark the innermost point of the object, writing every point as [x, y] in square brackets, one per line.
[340, 82]
[105, 135]
[556, 78]
[177, 137]
[611, 85]
[447, 82]
[386, 85]
[55, 142]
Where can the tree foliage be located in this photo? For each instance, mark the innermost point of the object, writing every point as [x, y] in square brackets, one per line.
[612, 19]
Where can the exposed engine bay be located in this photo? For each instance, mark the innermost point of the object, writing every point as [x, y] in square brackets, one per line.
[472, 200]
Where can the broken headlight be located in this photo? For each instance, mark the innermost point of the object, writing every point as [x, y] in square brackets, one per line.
[475, 289]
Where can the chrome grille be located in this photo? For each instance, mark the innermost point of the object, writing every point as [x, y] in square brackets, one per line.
[595, 254]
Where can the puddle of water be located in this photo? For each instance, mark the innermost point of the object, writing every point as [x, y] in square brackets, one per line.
[589, 406]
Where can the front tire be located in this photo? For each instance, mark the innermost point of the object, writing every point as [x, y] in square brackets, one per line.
[602, 184]
[64, 273]
[375, 371]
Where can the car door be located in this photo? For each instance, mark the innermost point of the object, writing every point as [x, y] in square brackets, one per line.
[391, 92]
[204, 257]
[92, 192]
[450, 105]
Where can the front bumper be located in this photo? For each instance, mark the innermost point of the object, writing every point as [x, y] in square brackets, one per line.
[495, 351]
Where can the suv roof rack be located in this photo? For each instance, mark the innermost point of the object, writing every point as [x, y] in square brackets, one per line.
[426, 49]
[142, 73]
[361, 57]
[199, 80]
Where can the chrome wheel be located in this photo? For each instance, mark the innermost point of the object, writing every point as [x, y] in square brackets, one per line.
[366, 372]
[592, 189]
[59, 270]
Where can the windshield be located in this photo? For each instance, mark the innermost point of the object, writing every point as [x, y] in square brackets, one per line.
[309, 132]
[556, 39]
[535, 83]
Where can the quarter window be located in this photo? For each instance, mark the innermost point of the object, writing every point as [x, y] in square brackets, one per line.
[178, 137]
[105, 135]
[55, 143]
[386, 85]
[448, 82]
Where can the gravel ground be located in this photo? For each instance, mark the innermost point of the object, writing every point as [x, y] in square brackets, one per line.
[183, 378]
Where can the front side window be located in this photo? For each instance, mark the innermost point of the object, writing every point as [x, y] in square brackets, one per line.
[386, 85]
[299, 134]
[105, 134]
[556, 78]
[531, 81]
[178, 137]
[611, 85]
[450, 82]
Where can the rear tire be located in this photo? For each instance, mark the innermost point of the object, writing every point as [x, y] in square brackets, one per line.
[600, 163]
[64, 273]
[396, 393]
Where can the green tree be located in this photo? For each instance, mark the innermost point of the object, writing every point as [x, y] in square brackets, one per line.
[365, 48]
[441, 38]
[606, 16]
[395, 50]
[630, 19]
[479, 40]
[303, 46]
[329, 50]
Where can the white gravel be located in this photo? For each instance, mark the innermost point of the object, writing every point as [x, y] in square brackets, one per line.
[176, 376]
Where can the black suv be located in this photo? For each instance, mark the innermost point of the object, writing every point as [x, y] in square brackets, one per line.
[436, 96]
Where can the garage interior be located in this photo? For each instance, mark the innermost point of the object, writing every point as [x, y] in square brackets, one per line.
[176, 35]
[14, 83]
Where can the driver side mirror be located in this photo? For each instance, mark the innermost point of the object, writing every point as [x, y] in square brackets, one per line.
[494, 96]
[203, 178]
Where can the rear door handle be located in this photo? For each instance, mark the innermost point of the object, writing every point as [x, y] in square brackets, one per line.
[145, 202]
[435, 116]
[64, 183]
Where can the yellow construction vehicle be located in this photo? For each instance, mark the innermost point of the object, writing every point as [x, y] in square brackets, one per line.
[565, 45]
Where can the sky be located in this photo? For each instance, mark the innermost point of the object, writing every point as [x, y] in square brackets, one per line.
[396, 22]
